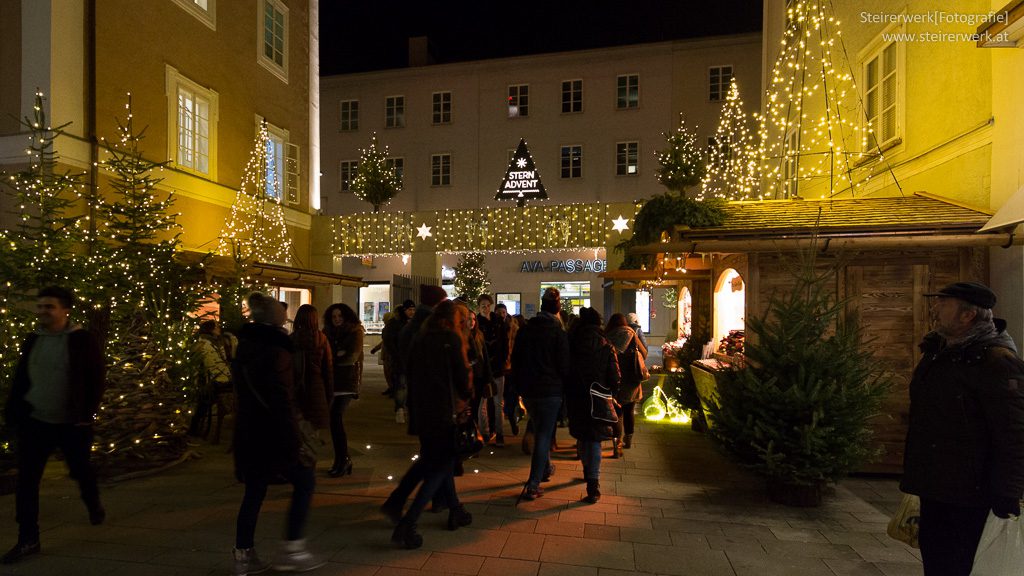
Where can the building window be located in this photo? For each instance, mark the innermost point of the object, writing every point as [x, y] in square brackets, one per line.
[719, 78]
[346, 172]
[440, 170]
[512, 301]
[577, 294]
[628, 91]
[442, 107]
[881, 96]
[394, 112]
[572, 161]
[273, 37]
[626, 156]
[519, 100]
[281, 179]
[204, 10]
[192, 120]
[349, 115]
[572, 96]
[398, 165]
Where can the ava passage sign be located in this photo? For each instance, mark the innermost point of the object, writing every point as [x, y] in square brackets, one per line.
[522, 181]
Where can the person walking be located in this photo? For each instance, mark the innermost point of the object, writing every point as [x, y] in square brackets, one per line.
[58, 383]
[269, 438]
[627, 344]
[540, 367]
[345, 334]
[965, 444]
[440, 387]
[593, 363]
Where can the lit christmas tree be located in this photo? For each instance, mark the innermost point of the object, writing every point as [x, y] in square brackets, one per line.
[732, 166]
[471, 277]
[810, 135]
[256, 230]
[681, 164]
[375, 181]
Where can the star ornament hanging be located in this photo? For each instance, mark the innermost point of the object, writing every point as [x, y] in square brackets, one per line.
[620, 224]
[424, 231]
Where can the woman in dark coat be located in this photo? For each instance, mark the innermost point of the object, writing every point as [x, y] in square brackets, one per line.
[440, 386]
[593, 360]
[626, 344]
[268, 437]
[345, 334]
[314, 373]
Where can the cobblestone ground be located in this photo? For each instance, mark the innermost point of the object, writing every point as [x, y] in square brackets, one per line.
[672, 505]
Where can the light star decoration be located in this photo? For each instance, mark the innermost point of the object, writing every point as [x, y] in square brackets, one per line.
[620, 224]
[424, 231]
[521, 163]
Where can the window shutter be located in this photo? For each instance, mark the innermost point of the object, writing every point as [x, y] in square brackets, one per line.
[291, 171]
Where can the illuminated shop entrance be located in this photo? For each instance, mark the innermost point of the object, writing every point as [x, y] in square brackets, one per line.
[576, 293]
[730, 304]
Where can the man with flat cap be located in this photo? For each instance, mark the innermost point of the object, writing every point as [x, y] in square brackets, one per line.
[965, 444]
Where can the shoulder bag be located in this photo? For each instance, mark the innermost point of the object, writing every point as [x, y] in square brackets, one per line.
[468, 440]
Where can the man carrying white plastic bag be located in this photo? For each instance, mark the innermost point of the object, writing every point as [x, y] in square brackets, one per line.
[1001, 550]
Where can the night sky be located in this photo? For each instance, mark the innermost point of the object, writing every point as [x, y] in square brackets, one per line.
[372, 35]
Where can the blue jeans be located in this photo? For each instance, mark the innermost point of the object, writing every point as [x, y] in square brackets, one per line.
[544, 416]
[590, 454]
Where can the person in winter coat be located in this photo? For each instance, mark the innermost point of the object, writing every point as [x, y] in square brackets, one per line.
[626, 344]
[540, 368]
[480, 360]
[345, 334]
[440, 387]
[314, 371]
[268, 438]
[593, 363]
[965, 443]
[633, 321]
[214, 379]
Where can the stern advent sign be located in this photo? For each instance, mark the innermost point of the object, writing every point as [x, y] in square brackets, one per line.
[522, 181]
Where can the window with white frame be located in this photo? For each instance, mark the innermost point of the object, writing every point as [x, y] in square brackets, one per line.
[398, 165]
[572, 161]
[627, 91]
[719, 78]
[281, 176]
[192, 124]
[204, 10]
[518, 100]
[348, 111]
[881, 96]
[273, 37]
[440, 169]
[442, 107]
[394, 112]
[346, 172]
[626, 158]
[572, 96]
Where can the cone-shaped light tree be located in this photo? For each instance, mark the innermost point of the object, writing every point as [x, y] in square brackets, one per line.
[732, 165]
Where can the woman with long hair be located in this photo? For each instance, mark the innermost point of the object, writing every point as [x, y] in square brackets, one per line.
[345, 334]
[626, 343]
[440, 381]
[314, 380]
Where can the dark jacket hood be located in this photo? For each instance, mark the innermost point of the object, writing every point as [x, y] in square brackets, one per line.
[267, 335]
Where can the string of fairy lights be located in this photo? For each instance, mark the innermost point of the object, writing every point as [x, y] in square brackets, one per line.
[732, 162]
[504, 229]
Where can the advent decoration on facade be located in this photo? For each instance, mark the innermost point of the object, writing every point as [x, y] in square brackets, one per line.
[522, 180]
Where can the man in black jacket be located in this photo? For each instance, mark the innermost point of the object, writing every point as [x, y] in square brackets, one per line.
[540, 368]
[56, 393]
[496, 337]
[965, 444]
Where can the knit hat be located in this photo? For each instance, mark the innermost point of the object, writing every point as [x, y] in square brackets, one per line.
[432, 295]
[971, 292]
[408, 304]
[590, 316]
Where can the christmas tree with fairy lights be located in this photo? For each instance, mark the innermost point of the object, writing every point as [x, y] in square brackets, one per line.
[471, 276]
[681, 165]
[256, 230]
[732, 164]
[376, 180]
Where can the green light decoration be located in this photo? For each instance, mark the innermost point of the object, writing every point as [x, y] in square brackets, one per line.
[660, 408]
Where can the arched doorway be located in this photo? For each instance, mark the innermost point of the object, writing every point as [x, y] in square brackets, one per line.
[730, 304]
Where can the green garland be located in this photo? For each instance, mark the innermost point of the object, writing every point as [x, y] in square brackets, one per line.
[662, 213]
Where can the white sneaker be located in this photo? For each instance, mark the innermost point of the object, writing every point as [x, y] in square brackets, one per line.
[248, 562]
[294, 557]
[400, 416]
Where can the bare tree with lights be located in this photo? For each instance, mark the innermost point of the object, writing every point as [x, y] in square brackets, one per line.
[681, 164]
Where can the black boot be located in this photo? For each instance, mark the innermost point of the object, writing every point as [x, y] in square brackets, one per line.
[406, 536]
[459, 517]
[593, 492]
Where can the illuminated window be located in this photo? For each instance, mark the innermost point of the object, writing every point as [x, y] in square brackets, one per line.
[642, 303]
[572, 161]
[511, 300]
[398, 165]
[441, 170]
[394, 112]
[572, 96]
[346, 172]
[374, 304]
[192, 119]
[574, 294]
[273, 43]
[204, 10]
[719, 78]
[349, 111]
[519, 100]
[881, 95]
[628, 91]
[282, 170]
[626, 158]
[442, 108]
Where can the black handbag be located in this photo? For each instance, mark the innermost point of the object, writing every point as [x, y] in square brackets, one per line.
[468, 440]
[602, 404]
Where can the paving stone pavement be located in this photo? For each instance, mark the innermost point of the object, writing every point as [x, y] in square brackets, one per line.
[673, 506]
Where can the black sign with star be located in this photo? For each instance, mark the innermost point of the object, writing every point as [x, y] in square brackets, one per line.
[522, 180]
